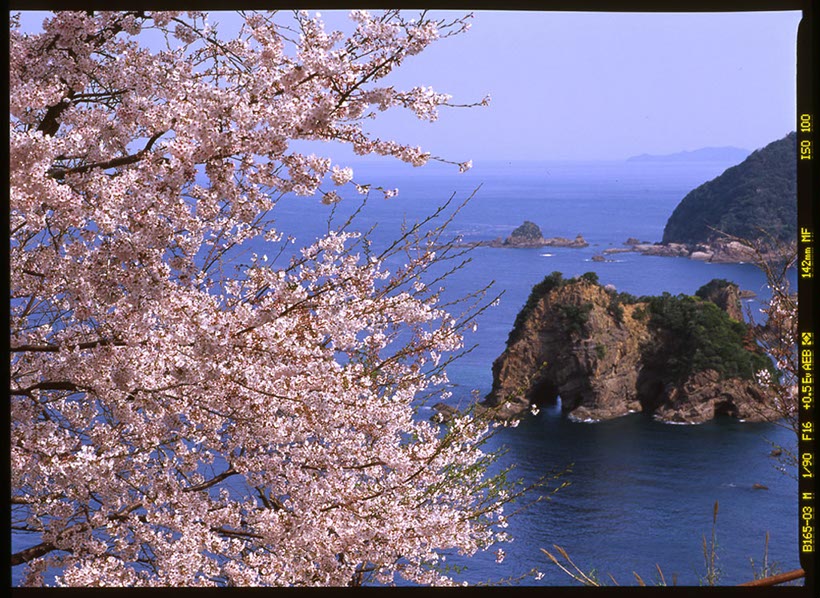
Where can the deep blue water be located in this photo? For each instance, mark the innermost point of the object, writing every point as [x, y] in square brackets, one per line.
[641, 492]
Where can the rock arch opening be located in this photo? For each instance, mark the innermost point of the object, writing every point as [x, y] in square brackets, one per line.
[726, 407]
[651, 390]
[544, 394]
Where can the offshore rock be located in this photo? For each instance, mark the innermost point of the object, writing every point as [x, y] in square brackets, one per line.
[606, 358]
[594, 374]
[529, 235]
[668, 250]
[443, 413]
[723, 251]
[527, 232]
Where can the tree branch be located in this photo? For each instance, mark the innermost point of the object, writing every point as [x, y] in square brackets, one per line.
[29, 554]
[61, 385]
[57, 348]
[60, 173]
[212, 482]
[235, 533]
[43, 548]
[50, 125]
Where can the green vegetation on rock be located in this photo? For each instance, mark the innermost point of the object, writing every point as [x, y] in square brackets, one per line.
[528, 230]
[576, 316]
[590, 277]
[700, 336]
[759, 194]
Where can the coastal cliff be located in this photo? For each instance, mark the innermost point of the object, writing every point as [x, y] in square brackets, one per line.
[754, 201]
[756, 197]
[681, 358]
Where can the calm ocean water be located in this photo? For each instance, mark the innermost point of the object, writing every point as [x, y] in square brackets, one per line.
[641, 492]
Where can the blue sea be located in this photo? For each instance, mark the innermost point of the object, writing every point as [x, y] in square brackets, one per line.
[641, 493]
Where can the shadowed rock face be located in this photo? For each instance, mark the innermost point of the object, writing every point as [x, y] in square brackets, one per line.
[529, 231]
[606, 359]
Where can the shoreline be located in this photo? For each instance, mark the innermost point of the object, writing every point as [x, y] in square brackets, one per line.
[728, 252]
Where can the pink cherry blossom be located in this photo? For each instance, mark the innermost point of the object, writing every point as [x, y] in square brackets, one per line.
[184, 416]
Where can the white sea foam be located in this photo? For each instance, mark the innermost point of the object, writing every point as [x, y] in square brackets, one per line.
[578, 420]
[671, 423]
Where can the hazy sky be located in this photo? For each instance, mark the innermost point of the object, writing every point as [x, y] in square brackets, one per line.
[571, 85]
[608, 85]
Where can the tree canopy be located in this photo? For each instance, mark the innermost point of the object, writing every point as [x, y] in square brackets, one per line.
[183, 413]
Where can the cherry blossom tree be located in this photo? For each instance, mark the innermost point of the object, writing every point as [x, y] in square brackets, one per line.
[778, 336]
[184, 415]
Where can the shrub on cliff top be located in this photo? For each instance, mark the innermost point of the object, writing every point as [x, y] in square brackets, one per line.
[713, 286]
[590, 277]
[702, 336]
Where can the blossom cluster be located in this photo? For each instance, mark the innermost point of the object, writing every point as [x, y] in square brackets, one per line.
[180, 417]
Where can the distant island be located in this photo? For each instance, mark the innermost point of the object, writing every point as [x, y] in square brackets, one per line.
[706, 154]
[683, 358]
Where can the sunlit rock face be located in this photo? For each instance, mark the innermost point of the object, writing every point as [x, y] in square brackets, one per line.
[606, 357]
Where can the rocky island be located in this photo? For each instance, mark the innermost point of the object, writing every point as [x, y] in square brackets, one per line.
[529, 235]
[684, 359]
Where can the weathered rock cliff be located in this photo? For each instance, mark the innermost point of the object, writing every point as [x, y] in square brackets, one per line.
[607, 354]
